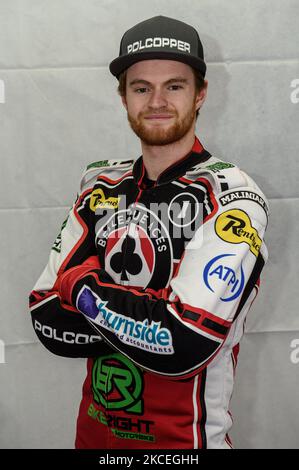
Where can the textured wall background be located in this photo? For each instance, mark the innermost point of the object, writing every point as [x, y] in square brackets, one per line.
[60, 111]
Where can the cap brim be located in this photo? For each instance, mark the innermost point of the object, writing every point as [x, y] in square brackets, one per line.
[120, 64]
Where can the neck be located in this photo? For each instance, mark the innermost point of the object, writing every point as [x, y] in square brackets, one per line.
[157, 158]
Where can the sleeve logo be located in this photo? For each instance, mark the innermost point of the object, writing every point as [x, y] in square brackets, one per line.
[57, 244]
[99, 201]
[219, 276]
[234, 226]
[218, 166]
[144, 335]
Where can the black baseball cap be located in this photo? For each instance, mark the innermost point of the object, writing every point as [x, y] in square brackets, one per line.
[159, 37]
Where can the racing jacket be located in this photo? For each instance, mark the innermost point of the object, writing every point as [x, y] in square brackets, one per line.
[152, 281]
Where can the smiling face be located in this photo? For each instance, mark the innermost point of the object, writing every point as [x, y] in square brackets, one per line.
[161, 100]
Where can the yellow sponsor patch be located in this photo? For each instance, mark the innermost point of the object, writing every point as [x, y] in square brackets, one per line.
[234, 226]
[99, 201]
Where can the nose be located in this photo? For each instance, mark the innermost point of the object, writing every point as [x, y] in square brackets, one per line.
[157, 99]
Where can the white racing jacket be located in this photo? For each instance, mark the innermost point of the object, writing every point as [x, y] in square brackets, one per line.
[152, 282]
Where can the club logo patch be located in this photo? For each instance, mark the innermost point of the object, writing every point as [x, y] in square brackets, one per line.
[136, 243]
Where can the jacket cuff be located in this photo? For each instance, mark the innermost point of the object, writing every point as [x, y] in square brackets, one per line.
[66, 281]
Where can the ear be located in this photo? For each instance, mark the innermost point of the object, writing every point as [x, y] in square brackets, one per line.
[200, 99]
[124, 101]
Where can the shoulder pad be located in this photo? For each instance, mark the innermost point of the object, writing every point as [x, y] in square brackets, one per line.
[223, 175]
[110, 164]
[94, 169]
[229, 182]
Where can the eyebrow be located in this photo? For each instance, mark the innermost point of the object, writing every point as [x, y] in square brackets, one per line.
[168, 82]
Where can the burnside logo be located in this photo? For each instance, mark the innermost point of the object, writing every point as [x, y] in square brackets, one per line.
[143, 331]
[149, 43]
[140, 334]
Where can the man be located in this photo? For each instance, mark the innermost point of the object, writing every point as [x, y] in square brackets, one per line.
[157, 264]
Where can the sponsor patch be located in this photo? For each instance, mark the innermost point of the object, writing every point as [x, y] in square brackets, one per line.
[139, 334]
[216, 167]
[159, 42]
[250, 195]
[234, 226]
[99, 201]
[109, 163]
[117, 383]
[98, 164]
[123, 427]
[220, 276]
[57, 244]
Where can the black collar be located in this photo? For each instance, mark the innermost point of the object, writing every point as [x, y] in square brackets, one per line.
[174, 171]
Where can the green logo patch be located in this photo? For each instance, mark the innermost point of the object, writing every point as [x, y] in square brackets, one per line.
[117, 384]
[98, 164]
[219, 166]
[57, 244]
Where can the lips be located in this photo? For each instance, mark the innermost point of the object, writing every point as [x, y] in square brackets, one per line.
[159, 116]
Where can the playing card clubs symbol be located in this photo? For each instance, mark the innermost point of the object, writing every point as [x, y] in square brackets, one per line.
[129, 256]
[131, 263]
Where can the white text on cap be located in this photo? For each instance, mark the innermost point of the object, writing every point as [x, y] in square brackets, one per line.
[159, 42]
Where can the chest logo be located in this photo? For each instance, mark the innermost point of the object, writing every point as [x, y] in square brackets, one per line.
[99, 201]
[184, 209]
[137, 247]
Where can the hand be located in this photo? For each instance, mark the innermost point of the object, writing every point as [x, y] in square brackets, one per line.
[66, 281]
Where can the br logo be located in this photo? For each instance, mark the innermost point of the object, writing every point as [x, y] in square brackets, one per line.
[117, 384]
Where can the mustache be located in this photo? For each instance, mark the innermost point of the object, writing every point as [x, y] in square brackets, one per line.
[162, 111]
